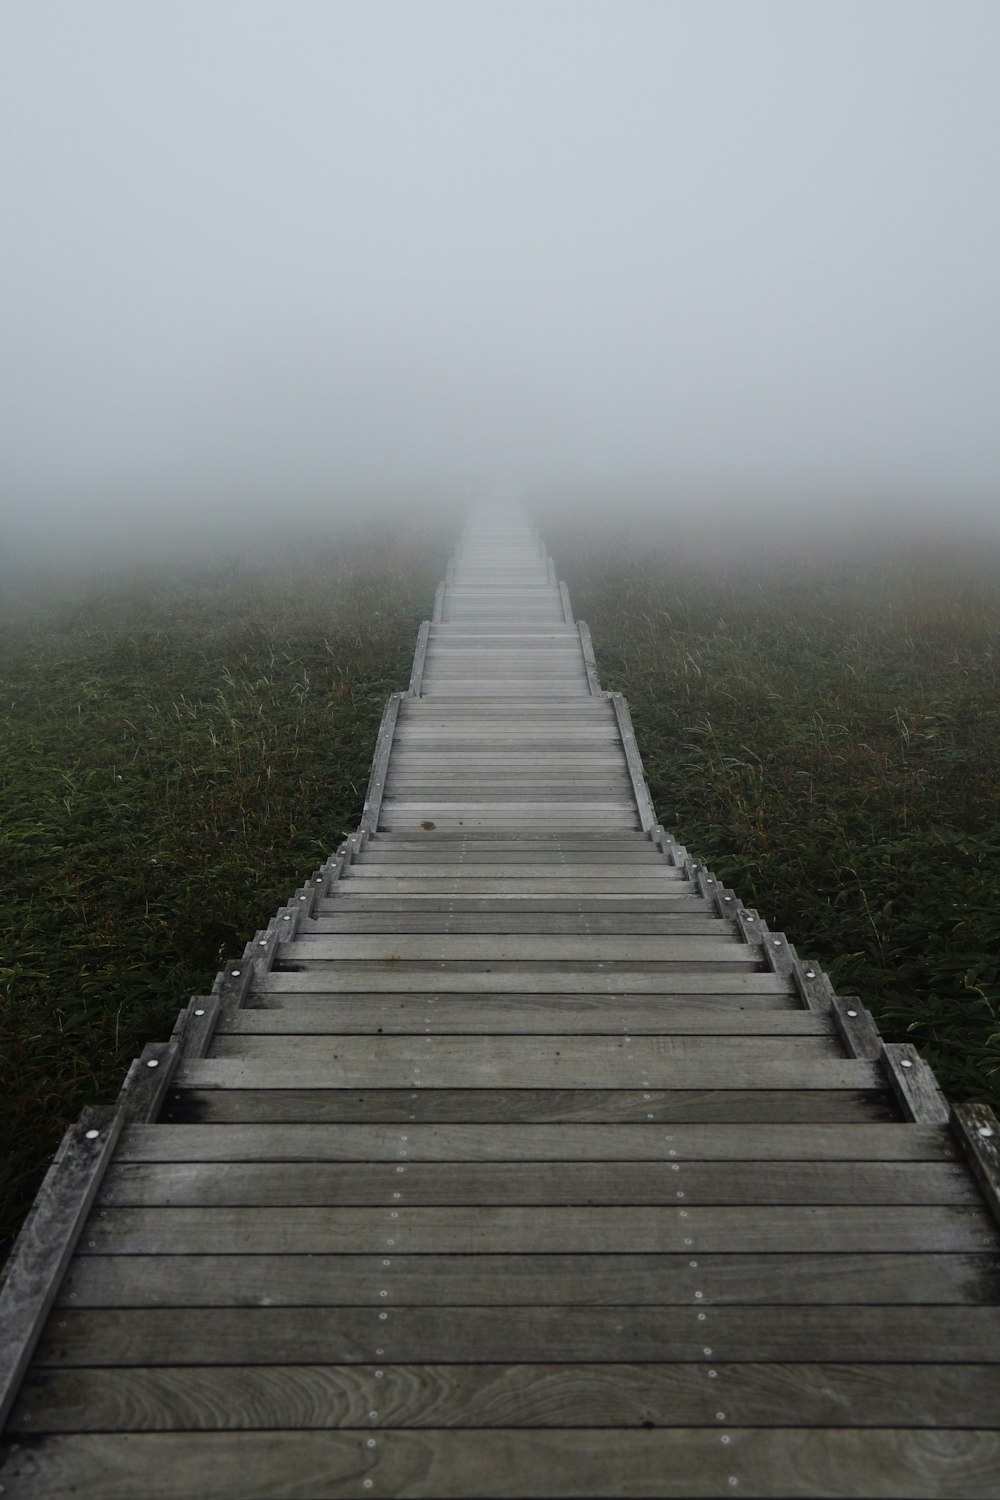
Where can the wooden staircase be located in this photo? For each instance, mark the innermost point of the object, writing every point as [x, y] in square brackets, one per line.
[516, 1158]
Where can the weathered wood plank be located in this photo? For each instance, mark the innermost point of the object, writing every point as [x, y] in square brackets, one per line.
[499, 922]
[380, 764]
[335, 1397]
[568, 1141]
[465, 1063]
[873, 1463]
[979, 1133]
[523, 1231]
[47, 1240]
[279, 1335]
[466, 979]
[538, 1106]
[563, 1014]
[274, 1184]
[519, 948]
[649, 876]
[530, 1280]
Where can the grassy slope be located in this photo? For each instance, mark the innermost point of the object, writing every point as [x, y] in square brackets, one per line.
[180, 749]
[825, 732]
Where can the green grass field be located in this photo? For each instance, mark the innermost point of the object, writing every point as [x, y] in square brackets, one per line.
[822, 726]
[182, 745]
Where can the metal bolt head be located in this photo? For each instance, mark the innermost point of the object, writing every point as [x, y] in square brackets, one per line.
[852, 1013]
[152, 1063]
[91, 1135]
[904, 1062]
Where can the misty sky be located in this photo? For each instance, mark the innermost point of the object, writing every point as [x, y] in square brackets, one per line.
[259, 256]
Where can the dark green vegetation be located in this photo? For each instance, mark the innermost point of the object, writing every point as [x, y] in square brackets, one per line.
[180, 748]
[823, 728]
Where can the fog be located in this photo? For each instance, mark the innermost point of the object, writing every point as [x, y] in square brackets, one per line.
[265, 263]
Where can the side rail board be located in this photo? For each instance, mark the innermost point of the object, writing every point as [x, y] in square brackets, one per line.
[380, 764]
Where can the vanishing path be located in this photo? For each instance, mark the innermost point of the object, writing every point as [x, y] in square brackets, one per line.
[515, 1158]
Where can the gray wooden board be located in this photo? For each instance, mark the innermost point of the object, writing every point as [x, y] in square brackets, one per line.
[530, 1280]
[531, 854]
[281, 1335]
[678, 898]
[538, 1230]
[673, 903]
[463, 1063]
[550, 846]
[592, 876]
[503, 816]
[547, 790]
[520, 978]
[244, 1397]
[726, 948]
[580, 1012]
[327, 1184]
[873, 1463]
[498, 921]
[536, 1106]
[517, 883]
[713, 1015]
[516, 1142]
[45, 1245]
[645, 1053]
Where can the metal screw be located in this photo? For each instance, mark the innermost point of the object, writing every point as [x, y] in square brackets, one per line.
[810, 973]
[152, 1063]
[199, 1012]
[91, 1135]
[235, 973]
[904, 1062]
[852, 1012]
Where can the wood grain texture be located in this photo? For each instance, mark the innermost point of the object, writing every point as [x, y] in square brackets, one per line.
[538, 1230]
[280, 1335]
[330, 1397]
[518, 1014]
[325, 1184]
[543, 1106]
[874, 1463]
[511, 1141]
[560, 1279]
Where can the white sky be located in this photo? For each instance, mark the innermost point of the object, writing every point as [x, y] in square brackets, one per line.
[258, 255]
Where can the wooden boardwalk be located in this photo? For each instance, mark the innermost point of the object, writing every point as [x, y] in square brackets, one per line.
[516, 1158]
